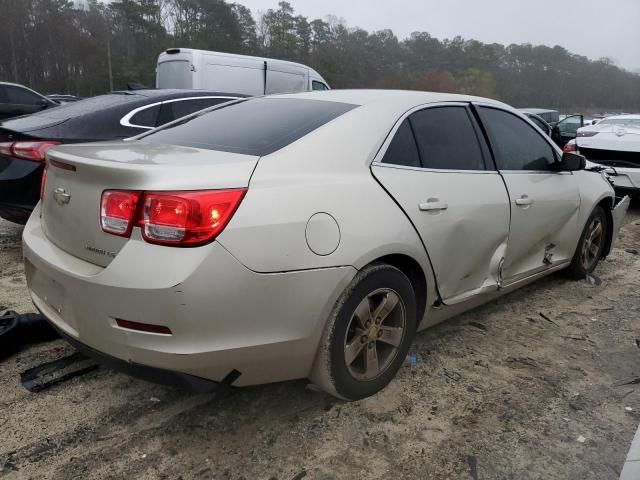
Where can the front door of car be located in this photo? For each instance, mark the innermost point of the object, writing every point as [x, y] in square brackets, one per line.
[438, 169]
[544, 201]
[566, 129]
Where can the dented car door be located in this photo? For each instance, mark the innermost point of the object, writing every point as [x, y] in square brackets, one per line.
[544, 202]
[438, 168]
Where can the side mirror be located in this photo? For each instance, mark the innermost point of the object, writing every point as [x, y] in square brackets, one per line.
[43, 103]
[572, 162]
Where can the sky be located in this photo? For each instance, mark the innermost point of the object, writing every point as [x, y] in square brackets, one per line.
[593, 28]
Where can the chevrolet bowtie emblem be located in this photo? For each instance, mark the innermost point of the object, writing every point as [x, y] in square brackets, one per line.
[61, 196]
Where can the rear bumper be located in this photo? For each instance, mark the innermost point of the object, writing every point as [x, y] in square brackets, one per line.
[19, 188]
[222, 316]
[156, 375]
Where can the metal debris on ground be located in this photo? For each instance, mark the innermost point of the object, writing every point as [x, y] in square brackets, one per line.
[581, 439]
[52, 373]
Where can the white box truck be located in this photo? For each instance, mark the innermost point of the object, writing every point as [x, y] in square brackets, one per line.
[226, 72]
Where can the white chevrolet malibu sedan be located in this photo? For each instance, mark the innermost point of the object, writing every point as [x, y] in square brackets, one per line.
[306, 235]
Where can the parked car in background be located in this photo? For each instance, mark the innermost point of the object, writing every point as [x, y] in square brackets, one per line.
[550, 116]
[306, 235]
[189, 68]
[538, 121]
[615, 142]
[62, 98]
[560, 128]
[18, 100]
[117, 115]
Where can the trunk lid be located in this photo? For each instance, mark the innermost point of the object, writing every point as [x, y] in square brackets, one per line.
[74, 225]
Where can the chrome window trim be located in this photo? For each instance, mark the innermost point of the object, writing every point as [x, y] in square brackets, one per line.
[431, 170]
[126, 120]
[377, 159]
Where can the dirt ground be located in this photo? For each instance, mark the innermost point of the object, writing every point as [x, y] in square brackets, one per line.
[497, 393]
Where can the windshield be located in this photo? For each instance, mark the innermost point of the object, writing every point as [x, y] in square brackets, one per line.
[259, 126]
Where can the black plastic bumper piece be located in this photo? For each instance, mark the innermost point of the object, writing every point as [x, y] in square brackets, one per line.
[153, 374]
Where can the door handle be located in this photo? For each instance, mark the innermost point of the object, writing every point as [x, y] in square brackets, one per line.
[524, 201]
[433, 204]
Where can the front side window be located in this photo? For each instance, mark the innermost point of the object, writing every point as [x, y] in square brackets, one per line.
[516, 145]
[21, 96]
[257, 126]
[403, 149]
[447, 139]
[540, 124]
[570, 124]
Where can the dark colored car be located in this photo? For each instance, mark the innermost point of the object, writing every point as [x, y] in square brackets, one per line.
[560, 131]
[116, 115]
[16, 100]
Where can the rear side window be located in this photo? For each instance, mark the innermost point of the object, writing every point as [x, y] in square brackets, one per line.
[403, 149]
[147, 117]
[516, 145]
[316, 85]
[181, 108]
[21, 96]
[447, 139]
[258, 126]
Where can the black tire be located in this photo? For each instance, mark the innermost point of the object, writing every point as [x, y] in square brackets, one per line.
[345, 332]
[579, 268]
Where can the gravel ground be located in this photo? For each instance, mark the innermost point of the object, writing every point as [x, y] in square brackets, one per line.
[500, 392]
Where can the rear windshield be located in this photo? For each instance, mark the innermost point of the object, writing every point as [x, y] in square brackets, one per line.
[258, 126]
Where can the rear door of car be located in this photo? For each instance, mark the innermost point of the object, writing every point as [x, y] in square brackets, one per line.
[437, 167]
[544, 202]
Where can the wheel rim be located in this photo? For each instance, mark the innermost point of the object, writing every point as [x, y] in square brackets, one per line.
[592, 243]
[374, 335]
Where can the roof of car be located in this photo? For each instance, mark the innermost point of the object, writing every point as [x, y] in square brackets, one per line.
[623, 117]
[364, 97]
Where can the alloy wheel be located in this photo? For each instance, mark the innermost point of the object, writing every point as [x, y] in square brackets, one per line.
[375, 332]
[592, 243]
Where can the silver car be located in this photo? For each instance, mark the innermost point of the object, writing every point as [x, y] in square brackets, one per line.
[306, 235]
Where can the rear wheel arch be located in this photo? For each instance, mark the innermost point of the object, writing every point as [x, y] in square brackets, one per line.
[416, 275]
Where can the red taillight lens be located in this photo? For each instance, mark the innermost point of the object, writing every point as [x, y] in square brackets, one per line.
[183, 219]
[43, 182]
[187, 219]
[34, 151]
[586, 134]
[118, 211]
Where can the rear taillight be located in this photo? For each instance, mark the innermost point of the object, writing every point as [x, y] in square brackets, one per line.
[183, 219]
[586, 134]
[34, 151]
[118, 211]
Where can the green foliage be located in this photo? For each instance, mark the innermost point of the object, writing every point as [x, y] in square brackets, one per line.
[88, 47]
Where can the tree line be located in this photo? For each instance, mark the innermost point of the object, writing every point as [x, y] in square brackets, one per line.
[89, 47]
